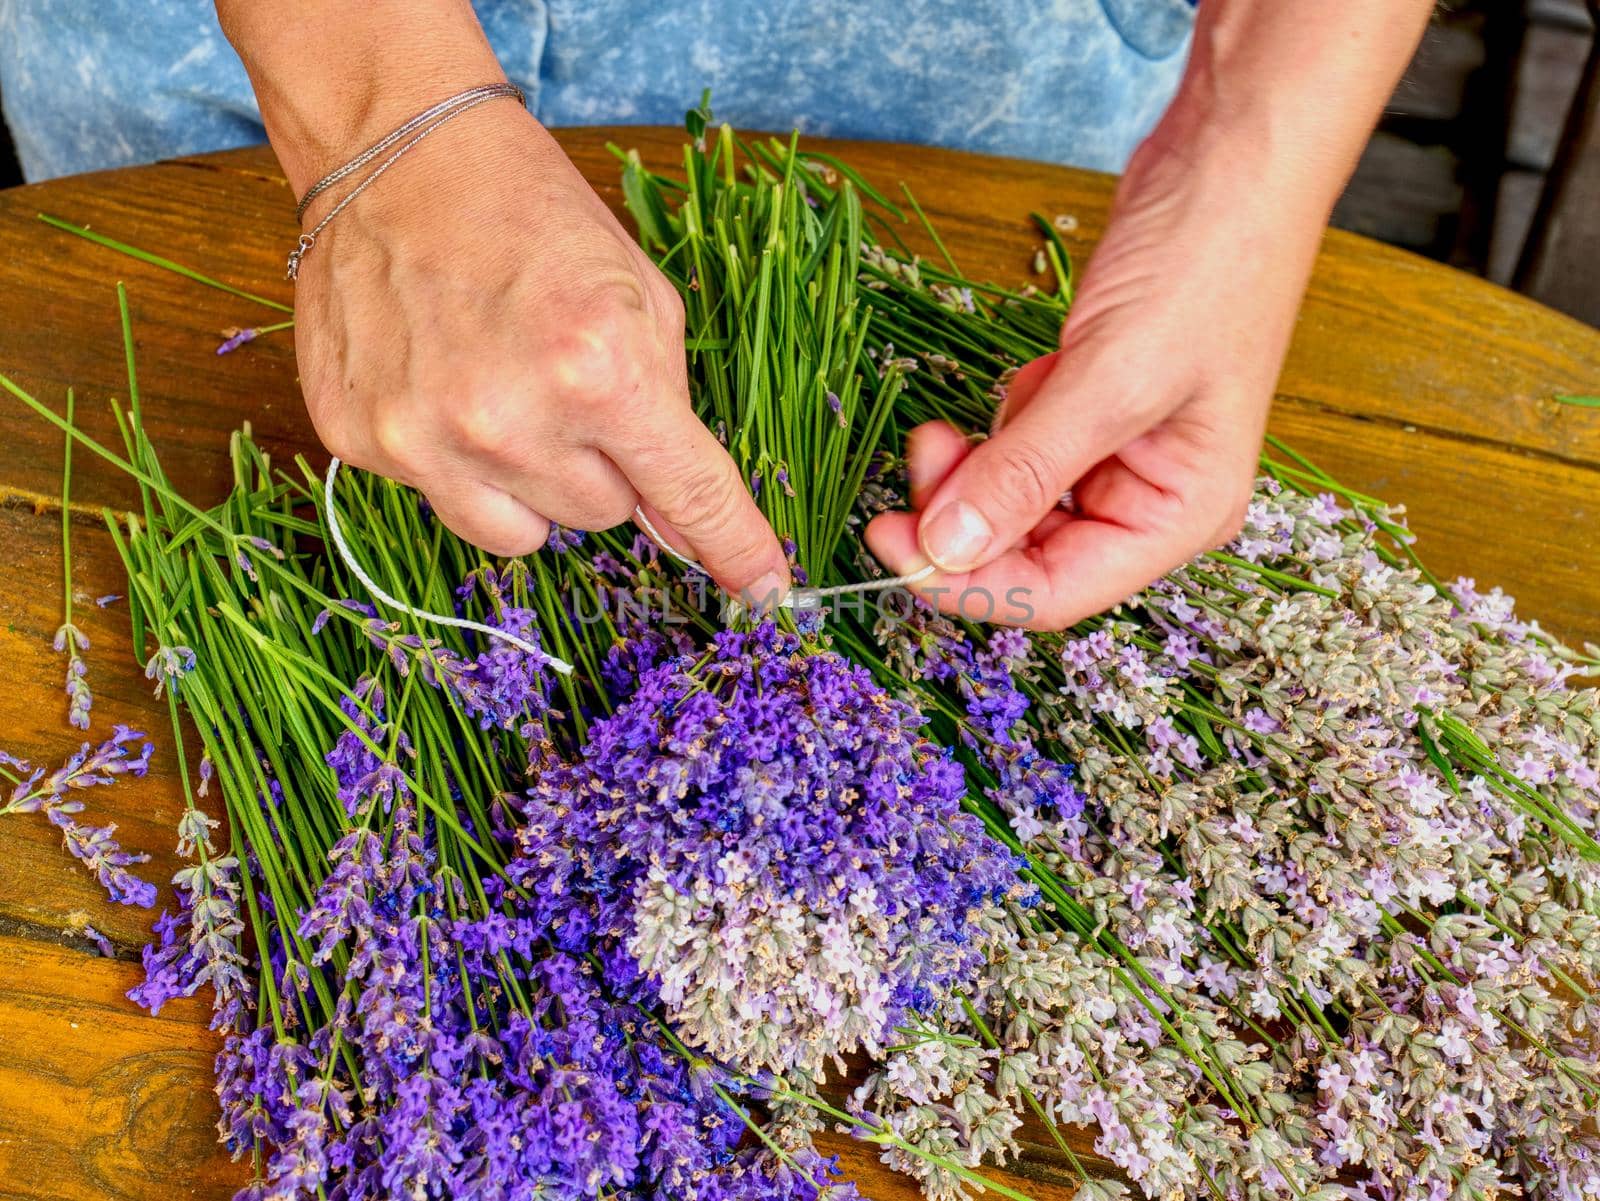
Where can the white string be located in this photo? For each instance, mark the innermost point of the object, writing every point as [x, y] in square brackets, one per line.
[797, 599]
[460, 623]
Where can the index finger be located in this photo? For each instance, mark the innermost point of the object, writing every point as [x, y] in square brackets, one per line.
[684, 474]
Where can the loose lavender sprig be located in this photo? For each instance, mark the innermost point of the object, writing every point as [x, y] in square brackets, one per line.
[69, 640]
[234, 338]
[200, 944]
[56, 796]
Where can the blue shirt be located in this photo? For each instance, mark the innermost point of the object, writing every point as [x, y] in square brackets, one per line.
[1069, 81]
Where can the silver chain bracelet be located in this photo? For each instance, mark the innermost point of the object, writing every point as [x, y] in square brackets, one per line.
[408, 135]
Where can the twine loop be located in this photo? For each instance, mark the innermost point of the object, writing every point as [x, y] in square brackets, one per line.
[798, 599]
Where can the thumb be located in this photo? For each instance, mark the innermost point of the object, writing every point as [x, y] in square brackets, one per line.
[1008, 484]
[1024, 386]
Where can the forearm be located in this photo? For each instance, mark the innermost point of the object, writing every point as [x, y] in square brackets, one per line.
[1286, 94]
[1238, 179]
[333, 77]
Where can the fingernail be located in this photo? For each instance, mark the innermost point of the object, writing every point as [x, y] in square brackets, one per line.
[765, 594]
[955, 537]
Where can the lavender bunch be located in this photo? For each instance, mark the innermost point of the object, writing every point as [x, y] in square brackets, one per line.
[1340, 826]
[761, 827]
[400, 1013]
[757, 823]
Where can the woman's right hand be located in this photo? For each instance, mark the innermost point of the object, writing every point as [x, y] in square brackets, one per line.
[479, 325]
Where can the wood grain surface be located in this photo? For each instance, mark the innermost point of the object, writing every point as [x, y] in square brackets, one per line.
[1406, 380]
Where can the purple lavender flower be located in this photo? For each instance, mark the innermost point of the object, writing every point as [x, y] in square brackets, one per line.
[169, 970]
[70, 641]
[200, 944]
[760, 1175]
[562, 539]
[97, 849]
[773, 843]
[209, 893]
[169, 665]
[232, 339]
[86, 768]
[94, 846]
[101, 942]
[209, 921]
[1029, 787]
[342, 905]
[503, 686]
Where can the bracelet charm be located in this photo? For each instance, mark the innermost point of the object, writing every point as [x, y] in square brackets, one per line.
[307, 241]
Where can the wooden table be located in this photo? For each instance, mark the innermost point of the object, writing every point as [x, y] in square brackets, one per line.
[1406, 379]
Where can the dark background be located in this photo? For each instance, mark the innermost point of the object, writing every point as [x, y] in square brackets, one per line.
[1456, 168]
[9, 174]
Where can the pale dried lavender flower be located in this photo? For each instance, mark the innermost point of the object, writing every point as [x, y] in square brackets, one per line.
[1341, 826]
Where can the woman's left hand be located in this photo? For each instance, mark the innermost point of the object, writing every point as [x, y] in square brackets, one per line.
[1151, 413]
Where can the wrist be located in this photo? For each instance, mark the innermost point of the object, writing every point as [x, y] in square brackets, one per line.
[332, 79]
[1220, 178]
[1288, 94]
[1220, 138]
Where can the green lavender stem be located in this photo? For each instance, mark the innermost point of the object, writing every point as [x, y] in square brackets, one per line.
[66, 516]
[156, 260]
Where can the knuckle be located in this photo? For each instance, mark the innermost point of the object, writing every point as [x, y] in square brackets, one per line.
[598, 358]
[613, 513]
[394, 435]
[567, 363]
[668, 306]
[1026, 479]
[703, 495]
[478, 423]
[600, 511]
